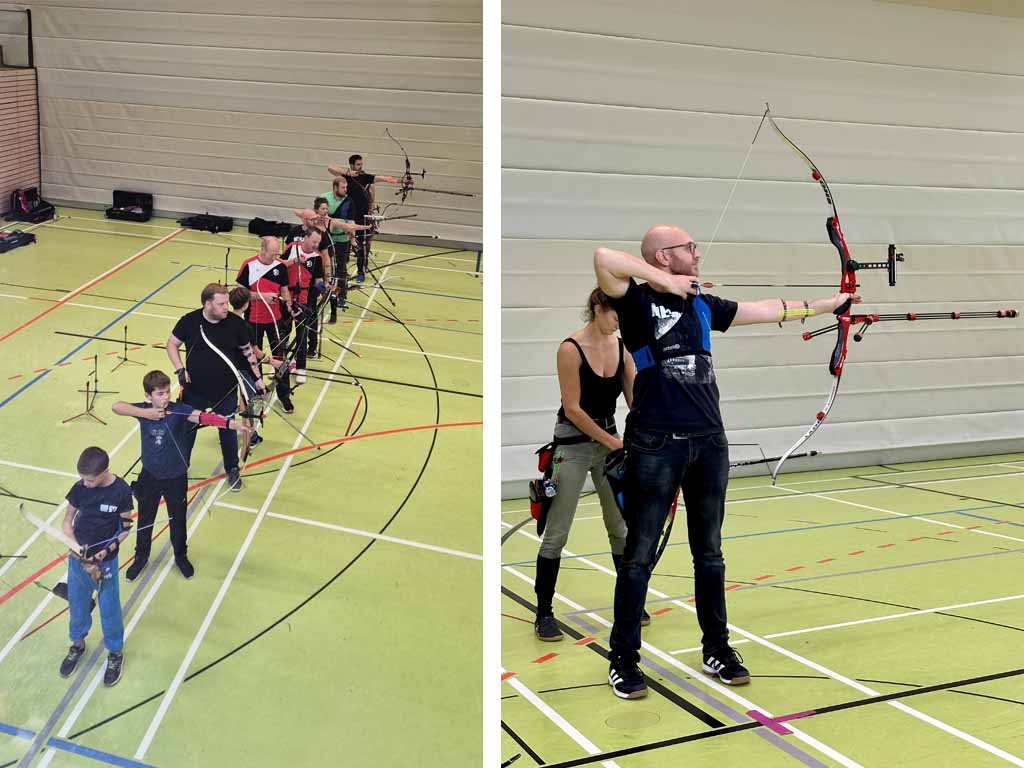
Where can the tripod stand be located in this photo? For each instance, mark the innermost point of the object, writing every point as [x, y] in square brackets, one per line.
[123, 357]
[92, 389]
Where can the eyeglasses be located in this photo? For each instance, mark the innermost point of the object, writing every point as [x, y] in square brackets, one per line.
[690, 246]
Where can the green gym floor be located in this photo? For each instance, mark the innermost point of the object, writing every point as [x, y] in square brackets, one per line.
[334, 618]
[879, 611]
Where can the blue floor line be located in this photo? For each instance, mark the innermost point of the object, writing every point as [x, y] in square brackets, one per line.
[77, 749]
[991, 519]
[100, 332]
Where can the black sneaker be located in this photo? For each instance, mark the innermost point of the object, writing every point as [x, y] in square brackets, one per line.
[135, 568]
[234, 480]
[115, 663]
[361, 277]
[185, 566]
[645, 619]
[334, 316]
[727, 665]
[546, 629]
[286, 405]
[60, 589]
[70, 663]
[254, 440]
[626, 680]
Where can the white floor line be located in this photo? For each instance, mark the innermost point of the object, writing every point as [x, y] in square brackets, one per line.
[436, 269]
[699, 678]
[378, 536]
[941, 523]
[46, 470]
[417, 352]
[172, 689]
[874, 619]
[136, 616]
[60, 507]
[94, 306]
[563, 725]
[821, 669]
[25, 627]
[226, 505]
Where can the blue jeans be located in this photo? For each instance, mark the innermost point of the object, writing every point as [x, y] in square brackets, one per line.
[657, 464]
[80, 589]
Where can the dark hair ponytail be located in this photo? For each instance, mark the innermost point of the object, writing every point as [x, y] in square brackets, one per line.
[597, 298]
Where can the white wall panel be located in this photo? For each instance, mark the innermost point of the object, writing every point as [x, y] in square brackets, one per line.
[619, 117]
[236, 108]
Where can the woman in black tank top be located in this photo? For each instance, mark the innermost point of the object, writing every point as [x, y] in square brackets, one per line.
[593, 371]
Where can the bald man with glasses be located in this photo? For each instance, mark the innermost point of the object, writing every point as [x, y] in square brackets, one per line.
[675, 437]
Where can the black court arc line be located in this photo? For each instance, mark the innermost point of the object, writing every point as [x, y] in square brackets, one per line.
[705, 717]
[853, 704]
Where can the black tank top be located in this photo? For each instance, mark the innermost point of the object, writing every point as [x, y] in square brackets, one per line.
[598, 394]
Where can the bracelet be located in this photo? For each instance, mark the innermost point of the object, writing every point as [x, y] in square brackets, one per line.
[785, 312]
[807, 311]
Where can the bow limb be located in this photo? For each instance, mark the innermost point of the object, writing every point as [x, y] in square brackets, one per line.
[52, 532]
[249, 411]
[407, 181]
[847, 284]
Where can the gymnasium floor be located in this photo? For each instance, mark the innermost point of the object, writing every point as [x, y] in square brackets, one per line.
[319, 622]
[845, 587]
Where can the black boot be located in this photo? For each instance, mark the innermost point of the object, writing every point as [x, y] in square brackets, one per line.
[645, 617]
[545, 627]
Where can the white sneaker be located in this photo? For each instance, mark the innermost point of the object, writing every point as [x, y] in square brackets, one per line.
[300, 375]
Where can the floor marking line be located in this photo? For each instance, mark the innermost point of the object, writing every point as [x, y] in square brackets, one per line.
[377, 536]
[172, 689]
[701, 679]
[563, 725]
[96, 280]
[86, 342]
[417, 352]
[821, 669]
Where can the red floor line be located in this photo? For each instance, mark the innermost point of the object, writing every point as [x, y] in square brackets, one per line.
[886, 546]
[284, 454]
[795, 568]
[826, 560]
[766, 576]
[507, 675]
[856, 552]
[661, 611]
[585, 641]
[90, 284]
[545, 657]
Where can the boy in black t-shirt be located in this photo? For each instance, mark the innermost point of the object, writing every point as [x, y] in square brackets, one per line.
[162, 427]
[98, 519]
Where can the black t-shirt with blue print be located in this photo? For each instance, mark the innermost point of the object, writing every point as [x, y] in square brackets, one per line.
[163, 441]
[670, 340]
[98, 521]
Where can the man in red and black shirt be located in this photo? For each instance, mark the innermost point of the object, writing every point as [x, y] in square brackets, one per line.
[266, 277]
[307, 274]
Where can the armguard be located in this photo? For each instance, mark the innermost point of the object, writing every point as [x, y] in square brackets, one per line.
[212, 420]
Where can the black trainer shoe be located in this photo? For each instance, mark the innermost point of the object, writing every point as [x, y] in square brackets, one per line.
[115, 663]
[645, 619]
[287, 406]
[546, 629]
[234, 480]
[135, 568]
[727, 665]
[334, 316]
[361, 277]
[70, 663]
[60, 589]
[254, 440]
[185, 566]
[626, 680]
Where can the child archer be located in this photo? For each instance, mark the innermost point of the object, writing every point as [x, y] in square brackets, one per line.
[98, 519]
[162, 426]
